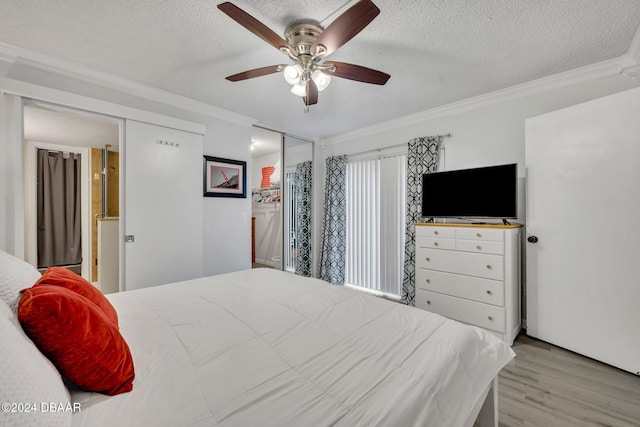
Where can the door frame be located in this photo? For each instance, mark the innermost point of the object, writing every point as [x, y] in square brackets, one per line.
[29, 175]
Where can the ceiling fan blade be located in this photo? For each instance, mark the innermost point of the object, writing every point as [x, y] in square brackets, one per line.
[312, 94]
[255, 26]
[346, 26]
[257, 72]
[358, 73]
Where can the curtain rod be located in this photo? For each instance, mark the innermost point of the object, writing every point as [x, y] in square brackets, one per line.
[373, 150]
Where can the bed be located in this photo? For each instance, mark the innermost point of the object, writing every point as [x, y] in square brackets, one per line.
[269, 348]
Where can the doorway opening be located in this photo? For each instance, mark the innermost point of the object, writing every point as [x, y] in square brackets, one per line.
[85, 209]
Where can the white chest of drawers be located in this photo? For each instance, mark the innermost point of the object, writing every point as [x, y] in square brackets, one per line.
[471, 273]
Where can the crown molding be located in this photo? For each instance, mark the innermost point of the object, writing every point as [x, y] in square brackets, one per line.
[632, 70]
[579, 75]
[31, 59]
[59, 97]
[6, 56]
[634, 48]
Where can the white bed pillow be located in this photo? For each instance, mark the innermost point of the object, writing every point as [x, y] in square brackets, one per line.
[28, 377]
[15, 275]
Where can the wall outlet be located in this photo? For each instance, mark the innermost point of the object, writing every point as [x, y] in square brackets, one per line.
[243, 217]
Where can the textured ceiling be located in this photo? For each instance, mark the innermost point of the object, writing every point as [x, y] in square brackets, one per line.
[437, 52]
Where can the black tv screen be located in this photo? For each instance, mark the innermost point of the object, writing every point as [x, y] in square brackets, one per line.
[486, 192]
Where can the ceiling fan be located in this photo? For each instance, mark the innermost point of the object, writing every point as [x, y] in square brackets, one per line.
[307, 45]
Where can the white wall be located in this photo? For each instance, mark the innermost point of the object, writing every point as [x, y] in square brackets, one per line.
[11, 181]
[227, 238]
[490, 134]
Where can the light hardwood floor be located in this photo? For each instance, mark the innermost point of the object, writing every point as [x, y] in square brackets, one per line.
[548, 386]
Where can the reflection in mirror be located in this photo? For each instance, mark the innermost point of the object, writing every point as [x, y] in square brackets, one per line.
[297, 191]
[266, 212]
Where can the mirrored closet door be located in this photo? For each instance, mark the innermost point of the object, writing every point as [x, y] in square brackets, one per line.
[266, 199]
[297, 195]
[281, 192]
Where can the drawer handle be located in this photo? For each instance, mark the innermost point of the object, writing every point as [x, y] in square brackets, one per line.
[435, 243]
[479, 247]
[489, 267]
[428, 302]
[427, 259]
[478, 235]
[428, 280]
[435, 232]
[489, 292]
[490, 318]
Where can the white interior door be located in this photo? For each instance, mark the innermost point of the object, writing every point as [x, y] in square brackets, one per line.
[583, 205]
[163, 207]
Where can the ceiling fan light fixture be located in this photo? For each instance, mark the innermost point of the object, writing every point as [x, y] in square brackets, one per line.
[299, 89]
[293, 74]
[307, 43]
[321, 80]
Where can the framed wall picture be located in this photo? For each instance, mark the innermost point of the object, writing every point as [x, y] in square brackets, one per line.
[224, 177]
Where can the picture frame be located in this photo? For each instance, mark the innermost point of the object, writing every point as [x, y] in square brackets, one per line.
[224, 177]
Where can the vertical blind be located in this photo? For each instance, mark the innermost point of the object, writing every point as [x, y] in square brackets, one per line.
[375, 193]
[363, 224]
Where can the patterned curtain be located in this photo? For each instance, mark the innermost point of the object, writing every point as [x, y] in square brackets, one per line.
[303, 218]
[422, 158]
[332, 253]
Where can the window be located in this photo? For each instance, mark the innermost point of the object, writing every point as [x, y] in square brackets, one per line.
[375, 225]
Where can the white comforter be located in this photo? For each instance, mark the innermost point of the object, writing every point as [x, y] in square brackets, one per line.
[267, 348]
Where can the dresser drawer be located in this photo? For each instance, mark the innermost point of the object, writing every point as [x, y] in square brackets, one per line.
[484, 315]
[479, 233]
[481, 247]
[435, 231]
[435, 242]
[468, 287]
[481, 265]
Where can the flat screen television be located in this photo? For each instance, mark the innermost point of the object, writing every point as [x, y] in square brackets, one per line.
[485, 192]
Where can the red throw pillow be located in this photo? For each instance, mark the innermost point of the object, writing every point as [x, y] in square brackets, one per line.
[78, 338]
[66, 278]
